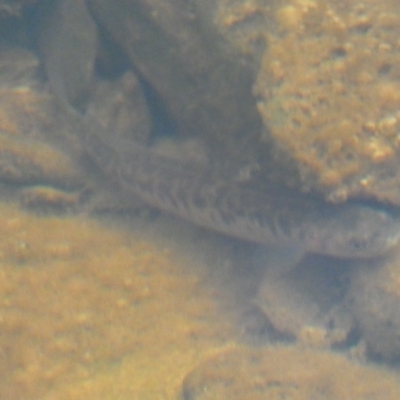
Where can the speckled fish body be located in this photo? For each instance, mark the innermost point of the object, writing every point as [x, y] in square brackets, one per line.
[287, 218]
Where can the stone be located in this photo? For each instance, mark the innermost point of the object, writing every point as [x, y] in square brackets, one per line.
[289, 373]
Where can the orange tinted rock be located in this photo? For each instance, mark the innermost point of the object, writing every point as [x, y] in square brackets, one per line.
[329, 89]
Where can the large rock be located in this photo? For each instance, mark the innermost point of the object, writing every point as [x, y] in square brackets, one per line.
[201, 80]
[287, 373]
[328, 90]
[324, 76]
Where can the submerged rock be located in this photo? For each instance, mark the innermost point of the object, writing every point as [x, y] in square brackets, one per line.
[327, 87]
[306, 303]
[201, 80]
[374, 299]
[286, 373]
[42, 161]
[328, 90]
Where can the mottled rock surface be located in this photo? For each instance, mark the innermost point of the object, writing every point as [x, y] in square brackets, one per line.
[375, 302]
[327, 86]
[328, 91]
[85, 306]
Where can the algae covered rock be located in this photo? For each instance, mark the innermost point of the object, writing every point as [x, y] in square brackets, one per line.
[326, 81]
[328, 90]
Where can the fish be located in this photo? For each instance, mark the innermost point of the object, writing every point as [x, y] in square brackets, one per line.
[264, 215]
[268, 215]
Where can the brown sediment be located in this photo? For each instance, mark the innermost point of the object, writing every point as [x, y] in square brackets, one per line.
[89, 312]
[76, 297]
